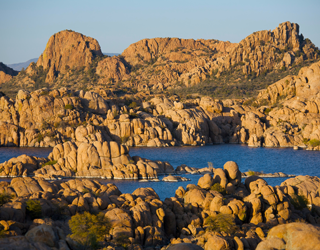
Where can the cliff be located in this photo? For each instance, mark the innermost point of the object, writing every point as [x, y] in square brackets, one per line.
[68, 50]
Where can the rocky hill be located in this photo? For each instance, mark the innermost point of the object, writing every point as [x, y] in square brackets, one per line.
[6, 73]
[189, 66]
[284, 115]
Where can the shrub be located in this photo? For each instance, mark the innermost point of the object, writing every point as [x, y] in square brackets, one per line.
[217, 187]
[267, 111]
[85, 191]
[68, 106]
[133, 115]
[34, 209]
[314, 143]
[49, 163]
[5, 198]
[251, 173]
[221, 223]
[39, 137]
[299, 201]
[133, 105]
[124, 139]
[2, 231]
[87, 229]
[305, 140]
[122, 240]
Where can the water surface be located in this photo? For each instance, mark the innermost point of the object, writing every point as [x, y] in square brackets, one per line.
[268, 160]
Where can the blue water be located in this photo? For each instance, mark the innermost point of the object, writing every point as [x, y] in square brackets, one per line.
[10, 152]
[268, 160]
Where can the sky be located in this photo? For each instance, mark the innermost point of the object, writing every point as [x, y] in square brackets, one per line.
[26, 26]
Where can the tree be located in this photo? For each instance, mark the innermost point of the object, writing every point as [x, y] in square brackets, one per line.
[87, 229]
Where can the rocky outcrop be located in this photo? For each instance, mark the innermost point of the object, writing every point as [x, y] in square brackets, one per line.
[68, 50]
[292, 236]
[264, 215]
[258, 53]
[112, 69]
[6, 73]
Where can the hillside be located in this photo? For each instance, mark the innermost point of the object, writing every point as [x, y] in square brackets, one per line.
[171, 65]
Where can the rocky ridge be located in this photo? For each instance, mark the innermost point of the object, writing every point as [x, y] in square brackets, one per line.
[72, 59]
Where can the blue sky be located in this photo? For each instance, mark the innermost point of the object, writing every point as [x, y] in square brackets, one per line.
[26, 26]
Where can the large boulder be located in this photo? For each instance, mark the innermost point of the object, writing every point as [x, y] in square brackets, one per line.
[293, 236]
[184, 246]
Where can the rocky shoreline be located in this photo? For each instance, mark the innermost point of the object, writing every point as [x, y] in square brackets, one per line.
[142, 221]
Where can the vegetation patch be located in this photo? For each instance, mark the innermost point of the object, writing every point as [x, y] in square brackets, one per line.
[68, 106]
[221, 223]
[5, 198]
[88, 229]
[299, 201]
[34, 209]
[49, 163]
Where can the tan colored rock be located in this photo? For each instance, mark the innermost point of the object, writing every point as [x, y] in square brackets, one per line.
[66, 50]
[216, 243]
[194, 196]
[233, 172]
[205, 181]
[44, 234]
[292, 236]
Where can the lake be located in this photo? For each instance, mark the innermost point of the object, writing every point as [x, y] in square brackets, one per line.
[268, 160]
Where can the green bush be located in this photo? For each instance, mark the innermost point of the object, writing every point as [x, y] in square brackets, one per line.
[87, 229]
[217, 187]
[251, 173]
[39, 137]
[34, 209]
[299, 201]
[314, 143]
[133, 115]
[124, 139]
[133, 105]
[68, 106]
[221, 223]
[49, 163]
[5, 198]
[2, 231]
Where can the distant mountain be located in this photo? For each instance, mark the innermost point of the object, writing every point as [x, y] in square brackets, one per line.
[111, 54]
[19, 66]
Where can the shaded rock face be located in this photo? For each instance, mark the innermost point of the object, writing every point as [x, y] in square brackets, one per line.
[6, 73]
[68, 49]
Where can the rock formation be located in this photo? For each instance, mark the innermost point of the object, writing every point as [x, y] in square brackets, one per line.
[6, 73]
[68, 50]
[264, 216]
